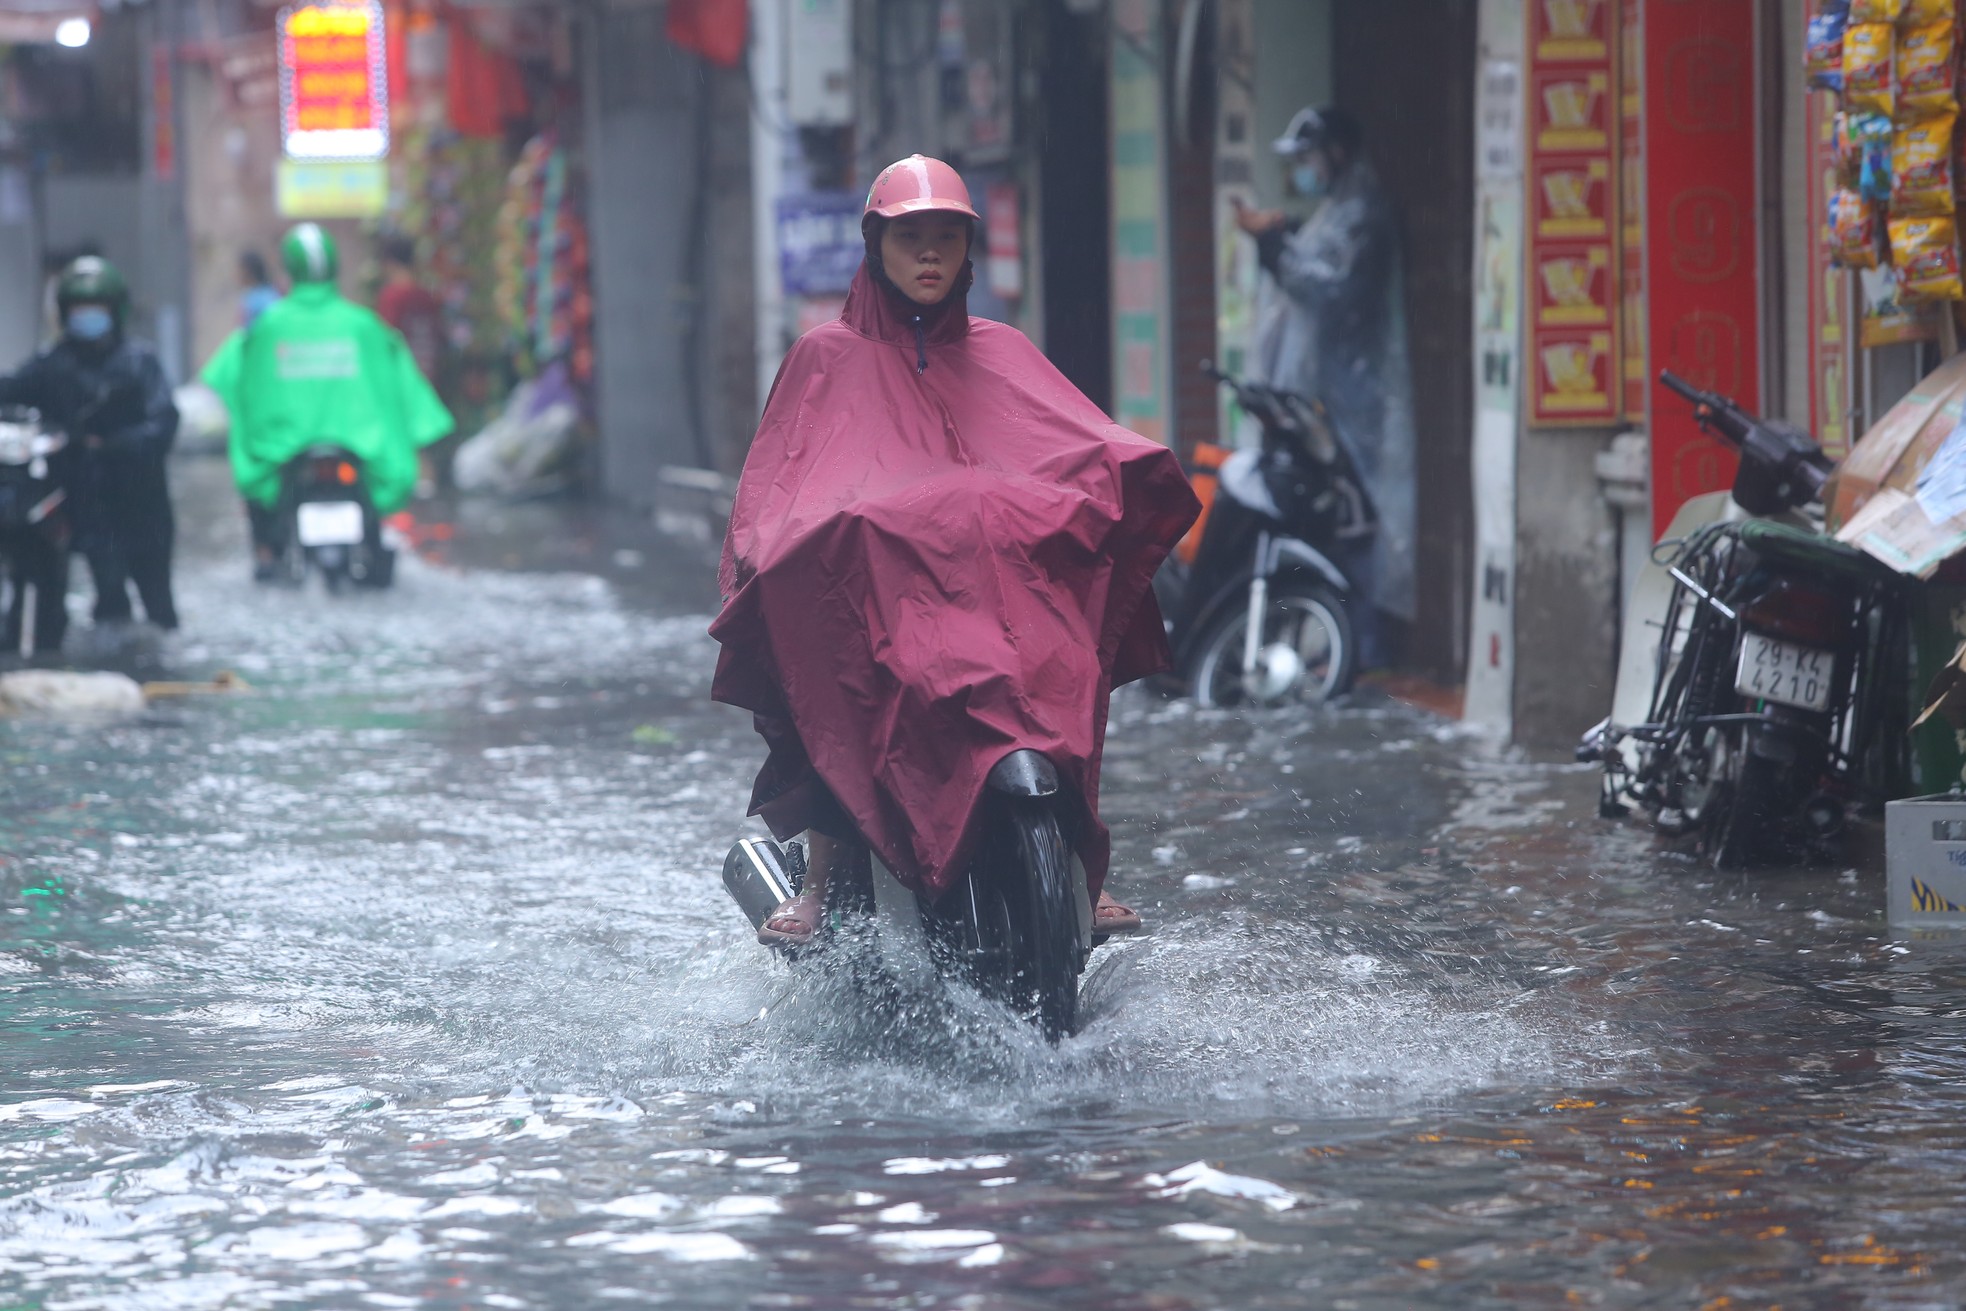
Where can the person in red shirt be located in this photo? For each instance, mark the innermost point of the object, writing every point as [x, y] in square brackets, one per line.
[412, 309]
[409, 307]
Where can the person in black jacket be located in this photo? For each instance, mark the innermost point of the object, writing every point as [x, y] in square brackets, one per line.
[110, 395]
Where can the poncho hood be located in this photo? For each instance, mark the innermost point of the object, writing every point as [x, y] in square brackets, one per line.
[929, 568]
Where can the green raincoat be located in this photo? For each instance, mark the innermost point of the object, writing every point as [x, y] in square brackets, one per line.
[315, 369]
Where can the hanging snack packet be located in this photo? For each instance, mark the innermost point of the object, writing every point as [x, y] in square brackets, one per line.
[1876, 11]
[1822, 50]
[1871, 138]
[1921, 167]
[1925, 251]
[1868, 57]
[1929, 11]
[1928, 69]
[1958, 167]
[1853, 231]
[1847, 150]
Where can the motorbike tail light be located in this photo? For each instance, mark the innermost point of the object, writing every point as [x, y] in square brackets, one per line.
[1800, 614]
[345, 474]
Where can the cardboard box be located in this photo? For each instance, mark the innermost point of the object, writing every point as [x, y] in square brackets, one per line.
[1874, 501]
[1925, 862]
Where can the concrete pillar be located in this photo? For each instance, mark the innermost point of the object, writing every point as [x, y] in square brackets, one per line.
[643, 99]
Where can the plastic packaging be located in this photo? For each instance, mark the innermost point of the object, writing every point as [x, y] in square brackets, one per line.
[1871, 136]
[1869, 59]
[1921, 167]
[1928, 69]
[1876, 11]
[1853, 231]
[1929, 11]
[1822, 50]
[1925, 251]
[1848, 150]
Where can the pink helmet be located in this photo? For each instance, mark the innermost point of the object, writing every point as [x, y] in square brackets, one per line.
[914, 185]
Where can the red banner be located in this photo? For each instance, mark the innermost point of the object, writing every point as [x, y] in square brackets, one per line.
[1703, 260]
[1573, 213]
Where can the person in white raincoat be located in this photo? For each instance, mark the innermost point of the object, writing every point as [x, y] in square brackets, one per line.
[1332, 325]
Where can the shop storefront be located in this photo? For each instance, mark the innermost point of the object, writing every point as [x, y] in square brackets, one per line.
[1755, 194]
[451, 124]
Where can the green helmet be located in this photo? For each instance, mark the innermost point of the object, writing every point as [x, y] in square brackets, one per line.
[93, 280]
[309, 254]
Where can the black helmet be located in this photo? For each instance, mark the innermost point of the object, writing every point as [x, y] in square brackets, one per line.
[93, 280]
[1321, 129]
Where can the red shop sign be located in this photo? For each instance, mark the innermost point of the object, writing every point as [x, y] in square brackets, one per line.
[1574, 369]
[1702, 272]
[334, 97]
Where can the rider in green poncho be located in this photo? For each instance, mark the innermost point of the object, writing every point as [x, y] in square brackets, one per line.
[315, 369]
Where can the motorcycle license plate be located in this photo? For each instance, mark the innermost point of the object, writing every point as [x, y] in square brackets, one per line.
[1774, 670]
[329, 523]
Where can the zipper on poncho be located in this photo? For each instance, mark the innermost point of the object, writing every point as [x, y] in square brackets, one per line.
[921, 347]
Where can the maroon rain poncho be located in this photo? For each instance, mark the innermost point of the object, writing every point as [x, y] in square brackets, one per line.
[941, 552]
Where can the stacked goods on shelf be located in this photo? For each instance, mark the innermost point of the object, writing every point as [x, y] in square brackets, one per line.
[450, 187]
[542, 262]
[1896, 66]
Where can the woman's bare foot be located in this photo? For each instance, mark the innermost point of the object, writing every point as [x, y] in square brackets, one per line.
[1111, 917]
[795, 921]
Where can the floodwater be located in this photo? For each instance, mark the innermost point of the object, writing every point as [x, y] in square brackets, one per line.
[406, 979]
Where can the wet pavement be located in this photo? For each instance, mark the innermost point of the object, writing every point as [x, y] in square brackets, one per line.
[406, 980]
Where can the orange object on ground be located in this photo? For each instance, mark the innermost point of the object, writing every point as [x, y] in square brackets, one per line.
[1204, 479]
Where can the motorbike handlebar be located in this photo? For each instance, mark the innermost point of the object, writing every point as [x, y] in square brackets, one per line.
[1710, 409]
[1792, 454]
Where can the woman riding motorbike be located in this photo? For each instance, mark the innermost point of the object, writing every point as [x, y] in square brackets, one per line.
[940, 552]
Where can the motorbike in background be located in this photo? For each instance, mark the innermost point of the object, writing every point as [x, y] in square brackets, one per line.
[1770, 712]
[330, 522]
[1017, 926]
[1261, 615]
[35, 531]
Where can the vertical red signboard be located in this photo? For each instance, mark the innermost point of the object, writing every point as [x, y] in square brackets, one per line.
[334, 99]
[1573, 209]
[163, 115]
[1703, 250]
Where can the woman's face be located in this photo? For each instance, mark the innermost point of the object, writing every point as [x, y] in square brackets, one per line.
[923, 253]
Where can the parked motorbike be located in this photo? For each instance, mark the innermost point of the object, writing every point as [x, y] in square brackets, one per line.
[330, 522]
[1770, 709]
[1017, 926]
[1261, 615]
[34, 533]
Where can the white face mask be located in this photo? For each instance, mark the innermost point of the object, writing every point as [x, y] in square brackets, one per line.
[1308, 180]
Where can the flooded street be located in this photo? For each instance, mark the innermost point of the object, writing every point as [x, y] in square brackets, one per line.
[406, 979]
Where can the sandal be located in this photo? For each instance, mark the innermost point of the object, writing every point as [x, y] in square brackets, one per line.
[1110, 917]
[798, 921]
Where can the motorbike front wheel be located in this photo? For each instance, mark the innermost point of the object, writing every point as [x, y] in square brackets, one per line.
[1307, 656]
[1014, 929]
[1046, 923]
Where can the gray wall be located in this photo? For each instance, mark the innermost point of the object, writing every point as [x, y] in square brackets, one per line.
[20, 268]
[671, 269]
